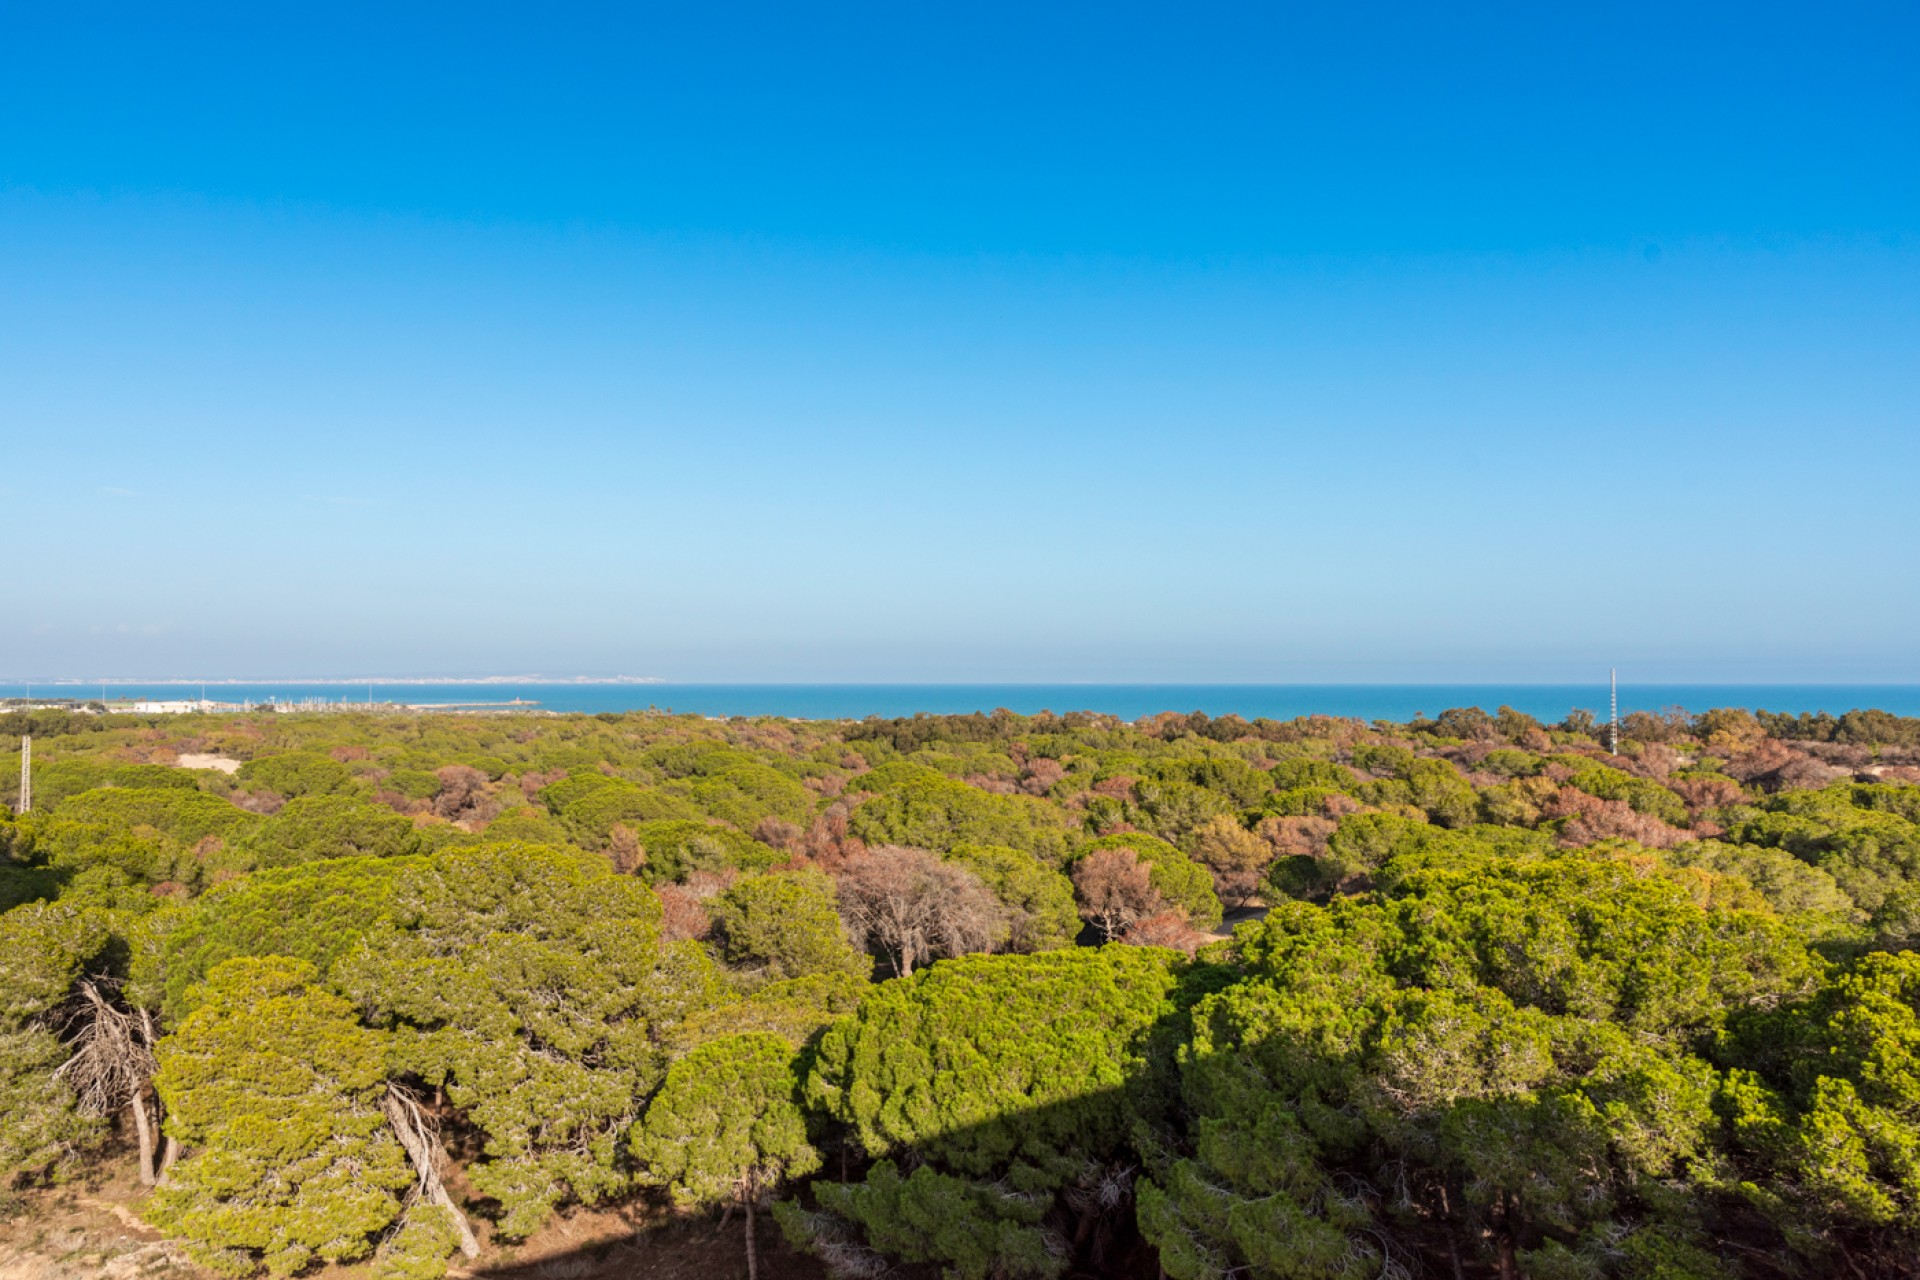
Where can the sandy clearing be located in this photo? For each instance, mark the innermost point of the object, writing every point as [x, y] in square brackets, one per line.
[199, 760]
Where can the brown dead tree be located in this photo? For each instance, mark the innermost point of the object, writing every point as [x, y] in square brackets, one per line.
[1114, 889]
[111, 1064]
[911, 906]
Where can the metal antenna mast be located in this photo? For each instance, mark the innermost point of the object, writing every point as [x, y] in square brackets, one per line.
[26, 774]
[1613, 712]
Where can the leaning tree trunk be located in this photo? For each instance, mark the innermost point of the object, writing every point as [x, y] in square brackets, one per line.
[143, 1127]
[149, 1124]
[416, 1136]
[753, 1257]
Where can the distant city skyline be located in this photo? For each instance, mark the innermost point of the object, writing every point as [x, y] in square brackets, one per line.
[747, 343]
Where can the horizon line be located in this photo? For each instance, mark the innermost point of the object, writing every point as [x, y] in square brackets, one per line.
[667, 682]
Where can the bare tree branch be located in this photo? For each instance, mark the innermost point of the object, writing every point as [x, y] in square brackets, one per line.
[913, 906]
[111, 1063]
[420, 1138]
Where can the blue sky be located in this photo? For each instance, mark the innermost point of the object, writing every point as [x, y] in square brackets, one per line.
[1350, 342]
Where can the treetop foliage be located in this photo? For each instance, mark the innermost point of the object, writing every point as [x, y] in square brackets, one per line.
[727, 1122]
[1495, 1001]
[276, 1090]
[998, 1065]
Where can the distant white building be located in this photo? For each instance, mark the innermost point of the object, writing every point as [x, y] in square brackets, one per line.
[177, 708]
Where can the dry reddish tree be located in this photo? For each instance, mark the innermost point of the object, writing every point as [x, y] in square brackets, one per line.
[1115, 891]
[1468, 755]
[768, 735]
[1706, 793]
[911, 907]
[1773, 766]
[1849, 755]
[827, 843]
[1557, 772]
[1656, 760]
[829, 786]
[1235, 856]
[683, 907]
[711, 884]
[1297, 837]
[1338, 804]
[777, 833]
[1766, 757]
[1590, 818]
[1040, 776]
[264, 802]
[463, 794]
[1166, 929]
[1805, 774]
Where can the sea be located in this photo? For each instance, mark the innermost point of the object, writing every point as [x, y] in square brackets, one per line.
[1549, 702]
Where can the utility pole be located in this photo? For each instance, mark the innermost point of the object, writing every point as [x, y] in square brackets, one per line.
[1613, 711]
[26, 774]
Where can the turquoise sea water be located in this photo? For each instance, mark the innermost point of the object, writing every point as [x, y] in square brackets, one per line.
[855, 701]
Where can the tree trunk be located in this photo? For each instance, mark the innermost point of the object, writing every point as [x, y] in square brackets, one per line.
[753, 1258]
[1503, 1239]
[410, 1127]
[151, 1123]
[1452, 1229]
[144, 1128]
[1084, 1222]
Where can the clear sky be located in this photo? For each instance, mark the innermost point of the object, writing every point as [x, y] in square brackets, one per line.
[910, 341]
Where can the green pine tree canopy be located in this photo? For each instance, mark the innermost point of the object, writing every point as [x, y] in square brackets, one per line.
[1469, 996]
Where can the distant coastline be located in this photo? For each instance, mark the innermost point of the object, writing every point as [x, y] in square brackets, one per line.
[1396, 702]
[314, 681]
